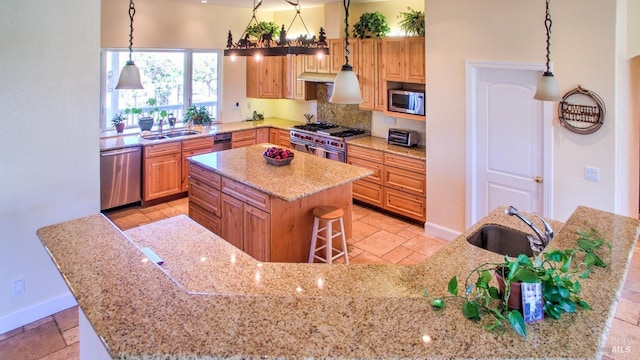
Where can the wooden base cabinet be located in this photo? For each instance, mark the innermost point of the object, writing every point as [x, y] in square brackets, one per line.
[265, 227]
[280, 137]
[243, 138]
[190, 148]
[397, 185]
[162, 170]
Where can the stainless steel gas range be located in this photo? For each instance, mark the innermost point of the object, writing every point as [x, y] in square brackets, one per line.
[324, 139]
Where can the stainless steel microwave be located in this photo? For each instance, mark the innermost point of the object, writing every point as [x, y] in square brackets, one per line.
[406, 101]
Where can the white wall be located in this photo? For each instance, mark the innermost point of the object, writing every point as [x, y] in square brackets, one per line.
[49, 148]
[584, 48]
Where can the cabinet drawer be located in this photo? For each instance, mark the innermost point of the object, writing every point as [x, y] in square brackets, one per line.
[366, 154]
[243, 135]
[162, 149]
[204, 218]
[204, 176]
[405, 163]
[405, 180]
[377, 169]
[246, 194]
[204, 196]
[284, 138]
[405, 204]
[368, 192]
[242, 143]
[198, 144]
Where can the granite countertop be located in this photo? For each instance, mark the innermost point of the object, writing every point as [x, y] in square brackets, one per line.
[376, 143]
[130, 140]
[306, 174]
[209, 300]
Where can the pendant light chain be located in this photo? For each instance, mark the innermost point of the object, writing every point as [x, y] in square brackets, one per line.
[132, 12]
[547, 25]
[347, 3]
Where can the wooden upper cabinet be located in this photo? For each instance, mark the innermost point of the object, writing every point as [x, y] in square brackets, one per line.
[336, 53]
[265, 77]
[393, 61]
[295, 89]
[404, 59]
[414, 69]
[369, 68]
[315, 63]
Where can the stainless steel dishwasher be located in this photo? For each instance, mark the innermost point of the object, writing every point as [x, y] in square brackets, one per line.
[222, 141]
[120, 174]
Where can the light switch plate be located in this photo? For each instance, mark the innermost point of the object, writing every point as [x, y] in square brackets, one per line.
[591, 173]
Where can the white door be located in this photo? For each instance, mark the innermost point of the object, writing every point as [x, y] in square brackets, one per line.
[506, 150]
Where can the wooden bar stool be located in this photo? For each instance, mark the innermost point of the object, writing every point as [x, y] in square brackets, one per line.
[328, 215]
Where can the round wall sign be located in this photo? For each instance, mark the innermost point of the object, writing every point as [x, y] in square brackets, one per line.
[581, 111]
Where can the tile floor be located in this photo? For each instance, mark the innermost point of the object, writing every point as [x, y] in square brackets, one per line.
[377, 238]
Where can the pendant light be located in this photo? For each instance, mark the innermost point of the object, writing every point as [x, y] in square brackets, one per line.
[130, 75]
[547, 89]
[346, 89]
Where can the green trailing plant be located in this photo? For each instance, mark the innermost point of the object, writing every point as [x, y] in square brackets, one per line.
[197, 116]
[263, 27]
[559, 272]
[132, 111]
[412, 22]
[151, 102]
[373, 23]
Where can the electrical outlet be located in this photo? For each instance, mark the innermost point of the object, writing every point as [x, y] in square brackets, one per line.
[18, 287]
[389, 120]
[591, 173]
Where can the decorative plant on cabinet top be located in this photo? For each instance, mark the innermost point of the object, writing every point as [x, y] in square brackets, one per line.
[371, 24]
[412, 22]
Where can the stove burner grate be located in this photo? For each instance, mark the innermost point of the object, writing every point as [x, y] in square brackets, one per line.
[315, 126]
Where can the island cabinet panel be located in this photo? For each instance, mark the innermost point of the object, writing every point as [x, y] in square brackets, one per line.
[232, 219]
[243, 138]
[256, 229]
[162, 170]
[204, 218]
[190, 148]
[246, 194]
[205, 196]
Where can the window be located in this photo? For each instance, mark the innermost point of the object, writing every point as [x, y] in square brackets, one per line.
[176, 79]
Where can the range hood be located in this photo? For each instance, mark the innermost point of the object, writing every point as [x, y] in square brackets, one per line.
[317, 77]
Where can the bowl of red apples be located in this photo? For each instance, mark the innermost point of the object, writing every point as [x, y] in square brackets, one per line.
[278, 156]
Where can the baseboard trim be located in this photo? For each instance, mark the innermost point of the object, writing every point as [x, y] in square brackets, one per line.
[35, 312]
[440, 231]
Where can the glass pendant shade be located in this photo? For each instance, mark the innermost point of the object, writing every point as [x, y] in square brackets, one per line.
[346, 88]
[547, 89]
[129, 77]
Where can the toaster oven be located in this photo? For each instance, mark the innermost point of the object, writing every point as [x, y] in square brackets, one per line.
[402, 137]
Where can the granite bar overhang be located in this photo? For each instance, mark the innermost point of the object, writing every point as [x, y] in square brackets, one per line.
[188, 310]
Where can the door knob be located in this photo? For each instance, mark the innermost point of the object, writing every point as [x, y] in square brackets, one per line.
[538, 179]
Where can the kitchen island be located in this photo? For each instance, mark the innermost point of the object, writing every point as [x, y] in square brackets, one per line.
[263, 209]
[210, 300]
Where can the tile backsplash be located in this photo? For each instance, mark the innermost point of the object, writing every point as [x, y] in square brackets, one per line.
[345, 115]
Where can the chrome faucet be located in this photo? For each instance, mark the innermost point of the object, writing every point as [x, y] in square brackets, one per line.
[537, 245]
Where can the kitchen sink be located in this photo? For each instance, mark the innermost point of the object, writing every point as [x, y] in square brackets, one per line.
[501, 240]
[179, 133]
[154, 137]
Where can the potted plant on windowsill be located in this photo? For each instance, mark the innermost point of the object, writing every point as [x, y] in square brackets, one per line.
[371, 24]
[558, 271]
[197, 116]
[146, 122]
[118, 121]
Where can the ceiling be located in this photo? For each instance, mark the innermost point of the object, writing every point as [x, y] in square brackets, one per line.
[275, 5]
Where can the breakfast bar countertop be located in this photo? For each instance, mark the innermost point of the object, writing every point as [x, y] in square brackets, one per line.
[306, 174]
[209, 300]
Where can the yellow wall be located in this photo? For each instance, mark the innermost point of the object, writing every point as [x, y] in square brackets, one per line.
[583, 51]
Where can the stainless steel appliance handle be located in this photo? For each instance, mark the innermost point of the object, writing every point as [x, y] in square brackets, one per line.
[119, 151]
